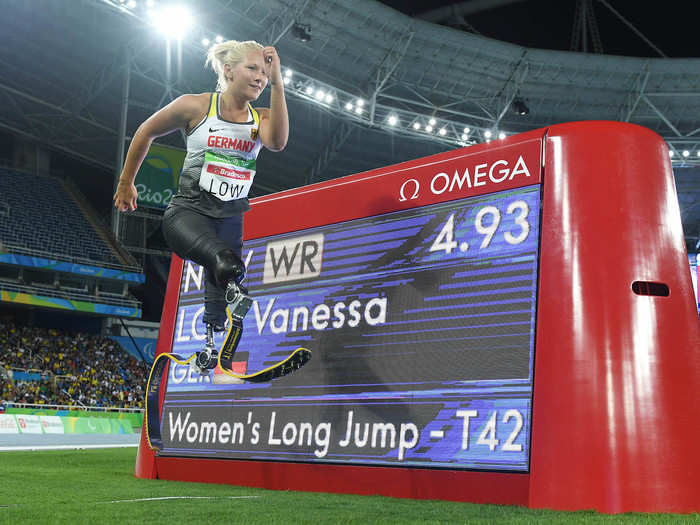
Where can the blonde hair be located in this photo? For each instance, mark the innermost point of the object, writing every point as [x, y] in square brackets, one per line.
[231, 52]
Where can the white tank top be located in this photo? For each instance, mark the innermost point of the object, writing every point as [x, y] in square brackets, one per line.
[220, 164]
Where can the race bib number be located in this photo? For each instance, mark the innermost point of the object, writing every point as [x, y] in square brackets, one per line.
[227, 178]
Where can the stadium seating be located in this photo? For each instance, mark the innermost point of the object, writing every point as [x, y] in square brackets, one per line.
[39, 214]
[67, 369]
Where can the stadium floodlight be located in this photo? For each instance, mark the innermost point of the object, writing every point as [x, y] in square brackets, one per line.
[519, 107]
[697, 153]
[131, 4]
[301, 31]
[686, 153]
[671, 153]
[173, 21]
[501, 135]
[487, 134]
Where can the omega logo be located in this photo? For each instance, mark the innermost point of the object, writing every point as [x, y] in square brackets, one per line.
[481, 175]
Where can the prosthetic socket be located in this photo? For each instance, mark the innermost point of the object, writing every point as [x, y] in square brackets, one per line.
[229, 274]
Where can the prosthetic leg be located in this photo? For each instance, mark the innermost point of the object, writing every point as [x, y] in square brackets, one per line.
[238, 300]
[206, 359]
[229, 274]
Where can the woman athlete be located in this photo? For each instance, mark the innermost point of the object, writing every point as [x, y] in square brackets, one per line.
[204, 220]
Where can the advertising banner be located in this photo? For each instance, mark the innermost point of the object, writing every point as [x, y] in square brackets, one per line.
[51, 424]
[128, 420]
[156, 180]
[8, 425]
[146, 346]
[95, 425]
[29, 424]
[67, 304]
[67, 267]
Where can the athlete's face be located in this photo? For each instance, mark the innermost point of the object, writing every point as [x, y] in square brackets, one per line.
[249, 78]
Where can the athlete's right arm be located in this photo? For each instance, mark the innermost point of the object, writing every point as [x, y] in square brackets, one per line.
[177, 115]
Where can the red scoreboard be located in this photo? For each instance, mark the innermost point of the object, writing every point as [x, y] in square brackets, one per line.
[512, 322]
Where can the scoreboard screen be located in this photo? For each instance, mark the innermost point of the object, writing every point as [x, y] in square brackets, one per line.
[422, 328]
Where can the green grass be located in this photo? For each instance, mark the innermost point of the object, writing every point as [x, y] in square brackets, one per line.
[80, 486]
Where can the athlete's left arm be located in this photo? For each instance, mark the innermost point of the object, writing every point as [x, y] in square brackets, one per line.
[274, 122]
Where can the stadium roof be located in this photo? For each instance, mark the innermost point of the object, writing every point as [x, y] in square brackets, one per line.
[63, 77]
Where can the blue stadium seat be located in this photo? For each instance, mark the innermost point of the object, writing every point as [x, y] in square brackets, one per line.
[44, 217]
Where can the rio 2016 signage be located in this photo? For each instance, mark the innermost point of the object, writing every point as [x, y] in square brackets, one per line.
[156, 180]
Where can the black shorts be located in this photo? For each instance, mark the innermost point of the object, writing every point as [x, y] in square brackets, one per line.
[198, 238]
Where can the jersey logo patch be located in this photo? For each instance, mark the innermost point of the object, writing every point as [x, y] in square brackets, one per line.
[254, 133]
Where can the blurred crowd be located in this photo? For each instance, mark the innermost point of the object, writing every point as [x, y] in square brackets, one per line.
[68, 368]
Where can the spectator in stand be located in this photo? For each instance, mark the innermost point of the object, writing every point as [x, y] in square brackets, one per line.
[117, 381]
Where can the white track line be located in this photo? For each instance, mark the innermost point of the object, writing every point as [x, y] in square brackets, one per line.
[178, 497]
[67, 447]
[147, 499]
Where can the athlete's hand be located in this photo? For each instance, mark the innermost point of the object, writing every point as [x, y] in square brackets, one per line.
[125, 196]
[273, 69]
